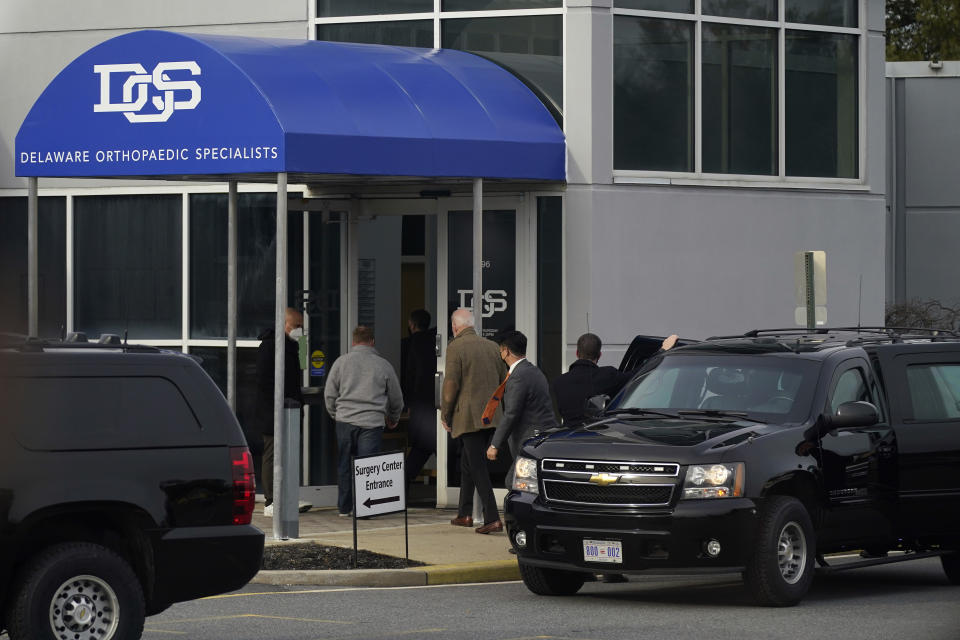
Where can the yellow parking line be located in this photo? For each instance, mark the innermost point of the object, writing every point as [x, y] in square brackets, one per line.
[343, 589]
[257, 615]
[176, 633]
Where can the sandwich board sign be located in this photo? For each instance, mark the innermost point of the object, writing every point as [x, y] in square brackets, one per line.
[378, 485]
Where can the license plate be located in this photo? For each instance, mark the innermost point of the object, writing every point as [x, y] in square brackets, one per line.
[603, 551]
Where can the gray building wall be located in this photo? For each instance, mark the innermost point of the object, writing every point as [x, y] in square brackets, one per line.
[703, 260]
[924, 193]
[36, 44]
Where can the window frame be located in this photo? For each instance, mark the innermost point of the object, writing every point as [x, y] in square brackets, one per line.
[699, 177]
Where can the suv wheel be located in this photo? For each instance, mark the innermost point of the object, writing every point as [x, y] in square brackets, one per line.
[781, 569]
[951, 566]
[551, 582]
[75, 590]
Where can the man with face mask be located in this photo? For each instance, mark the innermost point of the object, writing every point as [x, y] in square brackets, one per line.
[263, 410]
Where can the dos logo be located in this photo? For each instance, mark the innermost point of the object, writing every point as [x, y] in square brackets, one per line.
[138, 79]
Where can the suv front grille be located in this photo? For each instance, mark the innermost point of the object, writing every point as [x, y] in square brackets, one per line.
[627, 495]
[589, 466]
[610, 483]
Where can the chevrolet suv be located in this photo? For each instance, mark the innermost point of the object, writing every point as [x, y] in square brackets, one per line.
[125, 485]
[756, 454]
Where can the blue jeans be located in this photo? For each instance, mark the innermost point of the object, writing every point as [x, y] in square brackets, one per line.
[353, 441]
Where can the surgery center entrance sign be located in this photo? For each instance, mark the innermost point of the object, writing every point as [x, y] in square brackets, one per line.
[378, 485]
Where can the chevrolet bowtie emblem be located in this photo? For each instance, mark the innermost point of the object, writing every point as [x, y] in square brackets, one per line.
[603, 479]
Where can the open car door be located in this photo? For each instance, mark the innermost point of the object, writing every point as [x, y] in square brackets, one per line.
[643, 347]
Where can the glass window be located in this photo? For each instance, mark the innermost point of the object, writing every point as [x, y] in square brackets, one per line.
[549, 285]
[256, 266]
[739, 99]
[530, 47]
[834, 13]
[677, 6]
[51, 263]
[653, 94]
[821, 105]
[751, 9]
[401, 33]
[850, 387]
[335, 8]
[128, 265]
[934, 391]
[489, 5]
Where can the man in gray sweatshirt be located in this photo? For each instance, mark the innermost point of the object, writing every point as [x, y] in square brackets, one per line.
[362, 394]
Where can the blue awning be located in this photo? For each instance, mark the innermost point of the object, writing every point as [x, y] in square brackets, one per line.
[162, 104]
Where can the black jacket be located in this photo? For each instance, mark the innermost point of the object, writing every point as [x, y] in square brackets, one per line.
[526, 406]
[419, 367]
[263, 411]
[584, 380]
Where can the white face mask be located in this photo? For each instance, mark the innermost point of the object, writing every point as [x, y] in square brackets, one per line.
[297, 333]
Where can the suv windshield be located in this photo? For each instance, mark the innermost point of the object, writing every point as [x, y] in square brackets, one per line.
[766, 387]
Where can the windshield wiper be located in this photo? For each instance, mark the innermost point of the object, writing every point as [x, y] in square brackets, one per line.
[635, 411]
[718, 413]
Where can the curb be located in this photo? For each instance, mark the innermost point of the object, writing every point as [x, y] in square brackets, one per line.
[466, 572]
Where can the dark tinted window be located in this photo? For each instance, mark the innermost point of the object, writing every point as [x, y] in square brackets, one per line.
[488, 5]
[739, 99]
[61, 414]
[821, 105]
[400, 33]
[934, 391]
[332, 8]
[51, 263]
[833, 13]
[677, 6]
[653, 94]
[752, 9]
[256, 263]
[128, 265]
[550, 285]
[530, 47]
[850, 387]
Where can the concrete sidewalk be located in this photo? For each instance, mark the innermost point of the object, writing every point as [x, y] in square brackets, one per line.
[452, 554]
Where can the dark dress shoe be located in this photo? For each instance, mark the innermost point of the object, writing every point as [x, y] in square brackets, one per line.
[493, 527]
[462, 521]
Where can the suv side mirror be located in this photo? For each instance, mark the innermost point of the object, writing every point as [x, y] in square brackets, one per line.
[853, 414]
[595, 406]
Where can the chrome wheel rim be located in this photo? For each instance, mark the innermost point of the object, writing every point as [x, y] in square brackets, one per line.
[85, 606]
[792, 552]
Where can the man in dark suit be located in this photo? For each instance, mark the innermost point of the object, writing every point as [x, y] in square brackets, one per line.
[526, 399]
[586, 379]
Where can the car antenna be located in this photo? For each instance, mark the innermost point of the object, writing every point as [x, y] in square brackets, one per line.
[859, 302]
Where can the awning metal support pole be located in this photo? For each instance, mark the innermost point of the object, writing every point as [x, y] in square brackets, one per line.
[478, 254]
[478, 296]
[232, 295]
[280, 306]
[33, 279]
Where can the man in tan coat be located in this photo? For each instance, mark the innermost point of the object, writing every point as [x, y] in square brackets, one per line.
[473, 372]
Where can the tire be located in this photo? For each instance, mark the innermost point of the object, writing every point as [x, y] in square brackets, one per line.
[951, 566]
[551, 582]
[76, 589]
[781, 570]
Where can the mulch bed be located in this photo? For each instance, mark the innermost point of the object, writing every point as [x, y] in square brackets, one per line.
[308, 555]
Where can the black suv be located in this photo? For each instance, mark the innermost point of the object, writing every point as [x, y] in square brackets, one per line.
[125, 486]
[756, 454]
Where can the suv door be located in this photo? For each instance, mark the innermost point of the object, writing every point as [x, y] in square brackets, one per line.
[858, 464]
[928, 434]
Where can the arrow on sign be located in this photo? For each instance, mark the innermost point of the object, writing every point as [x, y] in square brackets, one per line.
[370, 502]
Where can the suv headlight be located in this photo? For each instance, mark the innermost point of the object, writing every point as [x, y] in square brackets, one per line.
[714, 481]
[525, 475]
